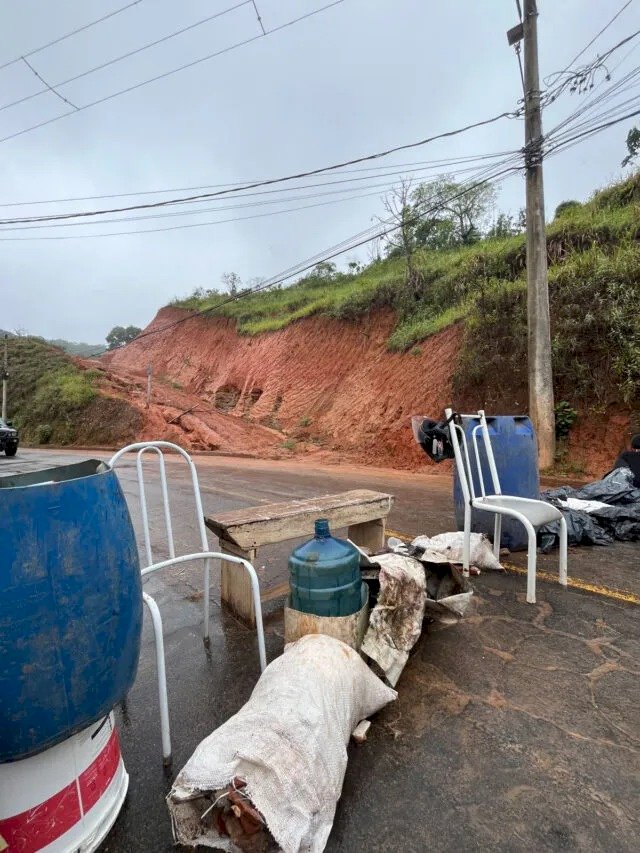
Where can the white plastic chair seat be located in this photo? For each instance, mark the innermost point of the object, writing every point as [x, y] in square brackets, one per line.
[538, 512]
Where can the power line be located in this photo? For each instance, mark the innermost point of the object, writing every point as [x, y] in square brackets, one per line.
[360, 239]
[180, 227]
[594, 99]
[50, 88]
[592, 130]
[386, 186]
[128, 55]
[338, 249]
[262, 183]
[598, 34]
[407, 166]
[68, 35]
[264, 32]
[165, 74]
[581, 80]
[279, 200]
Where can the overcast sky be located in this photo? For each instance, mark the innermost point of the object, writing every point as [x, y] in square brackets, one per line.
[360, 77]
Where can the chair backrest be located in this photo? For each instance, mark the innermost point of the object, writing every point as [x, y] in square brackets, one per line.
[463, 460]
[157, 448]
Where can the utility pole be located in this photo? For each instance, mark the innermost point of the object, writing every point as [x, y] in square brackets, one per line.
[5, 376]
[541, 406]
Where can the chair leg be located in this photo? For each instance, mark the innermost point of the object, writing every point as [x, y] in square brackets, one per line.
[206, 603]
[563, 551]
[466, 542]
[531, 562]
[156, 621]
[497, 535]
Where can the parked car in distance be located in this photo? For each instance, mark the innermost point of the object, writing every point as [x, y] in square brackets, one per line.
[8, 438]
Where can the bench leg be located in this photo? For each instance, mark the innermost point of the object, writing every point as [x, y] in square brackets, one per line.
[369, 535]
[235, 590]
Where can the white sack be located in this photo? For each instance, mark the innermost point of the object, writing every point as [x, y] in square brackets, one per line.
[451, 546]
[289, 743]
[585, 506]
[395, 623]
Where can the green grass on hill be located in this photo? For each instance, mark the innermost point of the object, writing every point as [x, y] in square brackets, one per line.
[594, 276]
[51, 400]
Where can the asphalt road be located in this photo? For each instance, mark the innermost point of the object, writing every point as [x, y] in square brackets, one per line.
[516, 729]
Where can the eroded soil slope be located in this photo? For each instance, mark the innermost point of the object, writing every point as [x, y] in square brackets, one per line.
[316, 385]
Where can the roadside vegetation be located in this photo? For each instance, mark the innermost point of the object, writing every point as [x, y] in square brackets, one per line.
[461, 266]
[52, 401]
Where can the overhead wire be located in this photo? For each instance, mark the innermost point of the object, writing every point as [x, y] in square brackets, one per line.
[589, 131]
[261, 183]
[48, 87]
[364, 237]
[189, 225]
[597, 36]
[69, 35]
[129, 54]
[595, 98]
[172, 71]
[330, 254]
[407, 166]
[357, 240]
[279, 200]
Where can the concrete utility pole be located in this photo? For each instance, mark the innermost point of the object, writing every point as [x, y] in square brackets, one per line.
[5, 376]
[541, 407]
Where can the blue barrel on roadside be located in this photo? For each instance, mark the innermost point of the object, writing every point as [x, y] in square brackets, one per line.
[324, 575]
[70, 604]
[515, 449]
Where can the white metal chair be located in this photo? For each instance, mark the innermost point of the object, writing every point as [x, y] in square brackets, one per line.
[531, 513]
[157, 447]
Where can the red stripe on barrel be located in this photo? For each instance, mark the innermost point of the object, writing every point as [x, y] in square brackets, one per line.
[33, 829]
[96, 778]
[40, 825]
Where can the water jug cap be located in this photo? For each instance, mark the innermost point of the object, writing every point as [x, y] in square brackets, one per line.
[322, 527]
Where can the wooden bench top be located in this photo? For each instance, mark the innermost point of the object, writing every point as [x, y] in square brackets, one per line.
[268, 523]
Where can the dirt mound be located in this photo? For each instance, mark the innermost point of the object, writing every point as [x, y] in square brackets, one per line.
[323, 387]
[316, 384]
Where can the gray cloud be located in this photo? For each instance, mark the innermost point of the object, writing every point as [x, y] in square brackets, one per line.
[358, 78]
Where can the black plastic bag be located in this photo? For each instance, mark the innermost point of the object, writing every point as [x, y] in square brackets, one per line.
[616, 487]
[620, 519]
[582, 529]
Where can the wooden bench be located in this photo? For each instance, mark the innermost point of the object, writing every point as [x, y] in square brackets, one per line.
[241, 532]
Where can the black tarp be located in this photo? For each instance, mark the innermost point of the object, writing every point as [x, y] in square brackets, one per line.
[620, 519]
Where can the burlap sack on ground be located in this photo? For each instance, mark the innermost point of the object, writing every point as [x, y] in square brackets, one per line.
[289, 743]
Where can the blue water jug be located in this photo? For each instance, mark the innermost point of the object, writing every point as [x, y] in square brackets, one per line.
[515, 449]
[324, 575]
[70, 604]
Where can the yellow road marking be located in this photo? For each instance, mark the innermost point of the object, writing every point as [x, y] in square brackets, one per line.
[575, 583]
[578, 583]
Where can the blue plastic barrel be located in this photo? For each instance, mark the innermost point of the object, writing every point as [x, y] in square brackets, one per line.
[324, 575]
[516, 453]
[70, 604]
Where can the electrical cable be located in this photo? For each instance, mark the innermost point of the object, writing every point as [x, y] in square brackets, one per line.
[128, 55]
[405, 167]
[176, 227]
[597, 36]
[262, 183]
[596, 129]
[338, 249]
[281, 200]
[68, 35]
[165, 74]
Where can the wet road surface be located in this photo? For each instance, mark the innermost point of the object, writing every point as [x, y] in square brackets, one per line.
[516, 729]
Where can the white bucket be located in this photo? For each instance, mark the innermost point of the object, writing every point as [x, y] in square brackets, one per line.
[66, 799]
